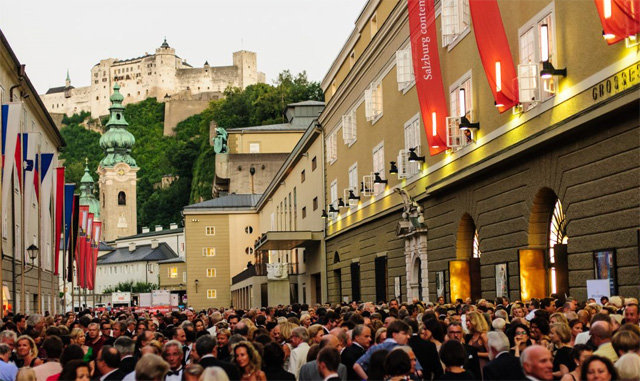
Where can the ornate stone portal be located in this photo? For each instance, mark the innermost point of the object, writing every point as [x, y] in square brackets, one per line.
[414, 231]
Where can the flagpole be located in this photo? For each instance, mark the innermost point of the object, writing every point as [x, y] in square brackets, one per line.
[1, 249]
[42, 248]
[22, 227]
[64, 249]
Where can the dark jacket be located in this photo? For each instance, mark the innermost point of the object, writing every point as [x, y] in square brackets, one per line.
[232, 372]
[349, 356]
[504, 367]
[427, 355]
[473, 362]
[127, 365]
[278, 374]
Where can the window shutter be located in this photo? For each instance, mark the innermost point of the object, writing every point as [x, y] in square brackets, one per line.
[377, 99]
[367, 186]
[368, 104]
[528, 87]
[402, 161]
[454, 135]
[450, 21]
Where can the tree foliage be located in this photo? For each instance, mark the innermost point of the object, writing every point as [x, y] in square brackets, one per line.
[129, 286]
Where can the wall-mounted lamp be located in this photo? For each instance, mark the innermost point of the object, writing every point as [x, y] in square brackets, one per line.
[332, 209]
[378, 180]
[465, 124]
[196, 282]
[549, 71]
[324, 214]
[353, 199]
[498, 104]
[608, 36]
[340, 203]
[394, 168]
[413, 156]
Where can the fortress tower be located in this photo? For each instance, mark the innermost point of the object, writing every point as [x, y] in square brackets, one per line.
[118, 174]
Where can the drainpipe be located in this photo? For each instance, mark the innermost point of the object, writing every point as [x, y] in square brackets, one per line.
[323, 245]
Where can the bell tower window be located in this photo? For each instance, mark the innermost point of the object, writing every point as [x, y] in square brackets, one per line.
[122, 198]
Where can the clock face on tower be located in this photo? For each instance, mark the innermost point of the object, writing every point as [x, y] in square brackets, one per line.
[121, 172]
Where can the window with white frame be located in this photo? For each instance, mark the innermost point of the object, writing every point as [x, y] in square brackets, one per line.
[209, 251]
[254, 147]
[536, 45]
[460, 106]
[332, 147]
[211, 272]
[378, 167]
[333, 193]
[173, 272]
[349, 127]
[211, 294]
[455, 20]
[404, 69]
[411, 141]
[353, 183]
[210, 230]
[373, 101]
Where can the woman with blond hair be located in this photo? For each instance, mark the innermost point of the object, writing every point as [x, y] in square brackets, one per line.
[315, 334]
[77, 337]
[27, 352]
[247, 359]
[285, 333]
[560, 336]
[477, 337]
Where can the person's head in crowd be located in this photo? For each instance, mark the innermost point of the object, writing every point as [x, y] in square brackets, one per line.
[502, 313]
[376, 369]
[598, 368]
[5, 352]
[214, 373]
[153, 346]
[498, 342]
[71, 352]
[625, 341]
[193, 372]
[172, 353]
[52, 331]
[93, 331]
[151, 367]
[118, 329]
[105, 328]
[361, 335]
[299, 335]
[179, 335]
[206, 345]
[342, 336]
[579, 354]
[315, 334]
[9, 338]
[246, 357]
[36, 323]
[77, 336]
[312, 353]
[631, 314]
[26, 347]
[241, 329]
[476, 323]
[125, 346]
[141, 327]
[108, 360]
[455, 332]
[399, 331]
[328, 361]
[275, 333]
[537, 362]
[558, 317]
[628, 367]
[452, 354]
[77, 370]
[223, 336]
[498, 324]
[433, 330]
[199, 325]
[600, 333]
[233, 320]
[273, 355]
[412, 356]
[560, 334]
[393, 303]
[53, 346]
[20, 321]
[539, 327]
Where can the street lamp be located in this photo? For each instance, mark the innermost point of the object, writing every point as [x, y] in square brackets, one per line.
[32, 252]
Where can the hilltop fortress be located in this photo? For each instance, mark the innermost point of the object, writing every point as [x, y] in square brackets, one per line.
[162, 75]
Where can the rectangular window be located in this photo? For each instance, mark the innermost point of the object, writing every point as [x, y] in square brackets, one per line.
[353, 178]
[211, 272]
[315, 203]
[411, 141]
[349, 127]
[373, 101]
[304, 212]
[338, 277]
[455, 20]
[374, 25]
[378, 167]
[461, 106]
[404, 69]
[210, 230]
[332, 147]
[173, 272]
[211, 294]
[209, 251]
[314, 164]
[184, 277]
[254, 147]
[334, 193]
[355, 281]
[381, 278]
[302, 176]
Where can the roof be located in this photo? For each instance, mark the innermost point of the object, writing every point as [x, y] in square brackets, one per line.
[59, 89]
[173, 260]
[307, 103]
[142, 253]
[152, 233]
[269, 127]
[104, 246]
[229, 201]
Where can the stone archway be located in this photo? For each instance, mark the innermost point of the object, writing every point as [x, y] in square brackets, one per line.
[417, 267]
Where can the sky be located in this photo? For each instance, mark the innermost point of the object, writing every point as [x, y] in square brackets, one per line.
[53, 36]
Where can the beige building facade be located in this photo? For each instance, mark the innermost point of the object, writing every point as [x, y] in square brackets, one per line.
[537, 195]
[160, 74]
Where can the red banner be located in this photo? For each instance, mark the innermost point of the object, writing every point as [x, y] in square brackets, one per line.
[495, 54]
[59, 212]
[426, 66]
[95, 242]
[620, 19]
[88, 254]
[80, 246]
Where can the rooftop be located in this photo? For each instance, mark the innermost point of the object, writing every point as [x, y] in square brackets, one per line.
[270, 127]
[59, 89]
[142, 253]
[229, 201]
[152, 234]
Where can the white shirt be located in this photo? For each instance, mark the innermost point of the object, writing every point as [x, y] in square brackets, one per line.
[105, 376]
[130, 377]
[175, 377]
[330, 376]
[298, 358]
[582, 337]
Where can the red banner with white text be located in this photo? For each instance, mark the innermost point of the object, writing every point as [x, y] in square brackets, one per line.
[426, 65]
[59, 216]
[620, 19]
[495, 54]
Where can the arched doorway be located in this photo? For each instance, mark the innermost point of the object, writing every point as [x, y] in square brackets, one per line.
[548, 237]
[464, 271]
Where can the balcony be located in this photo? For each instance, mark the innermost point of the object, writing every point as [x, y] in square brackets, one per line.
[254, 270]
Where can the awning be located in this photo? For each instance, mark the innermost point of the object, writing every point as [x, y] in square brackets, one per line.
[287, 240]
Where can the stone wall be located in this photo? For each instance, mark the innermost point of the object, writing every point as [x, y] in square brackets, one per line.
[266, 166]
[178, 109]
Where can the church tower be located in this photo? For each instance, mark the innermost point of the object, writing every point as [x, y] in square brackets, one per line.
[118, 174]
[86, 194]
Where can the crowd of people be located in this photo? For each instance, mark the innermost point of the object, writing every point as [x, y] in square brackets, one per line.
[547, 339]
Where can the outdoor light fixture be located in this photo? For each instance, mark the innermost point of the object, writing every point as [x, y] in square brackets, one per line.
[378, 180]
[394, 168]
[324, 214]
[353, 199]
[196, 282]
[413, 157]
[498, 104]
[465, 124]
[608, 36]
[340, 203]
[332, 209]
[549, 71]
[33, 252]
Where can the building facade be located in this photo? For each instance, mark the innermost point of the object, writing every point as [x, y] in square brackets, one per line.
[28, 281]
[151, 75]
[533, 200]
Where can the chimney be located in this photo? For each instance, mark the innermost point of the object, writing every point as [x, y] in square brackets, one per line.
[132, 247]
[154, 243]
[173, 225]
[145, 229]
[158, 228]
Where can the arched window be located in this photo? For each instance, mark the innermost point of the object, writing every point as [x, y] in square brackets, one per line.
[476, 245]
[557, 236]
[122, 198]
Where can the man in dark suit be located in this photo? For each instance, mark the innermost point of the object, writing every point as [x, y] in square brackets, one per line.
[126, 347]
[425, 352]
[454, 332]
[361, 338]
[328, 362]
[206, 350]
[108, 362]
[503, 365]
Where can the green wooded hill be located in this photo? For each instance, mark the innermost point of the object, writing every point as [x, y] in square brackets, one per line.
[187, 156]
